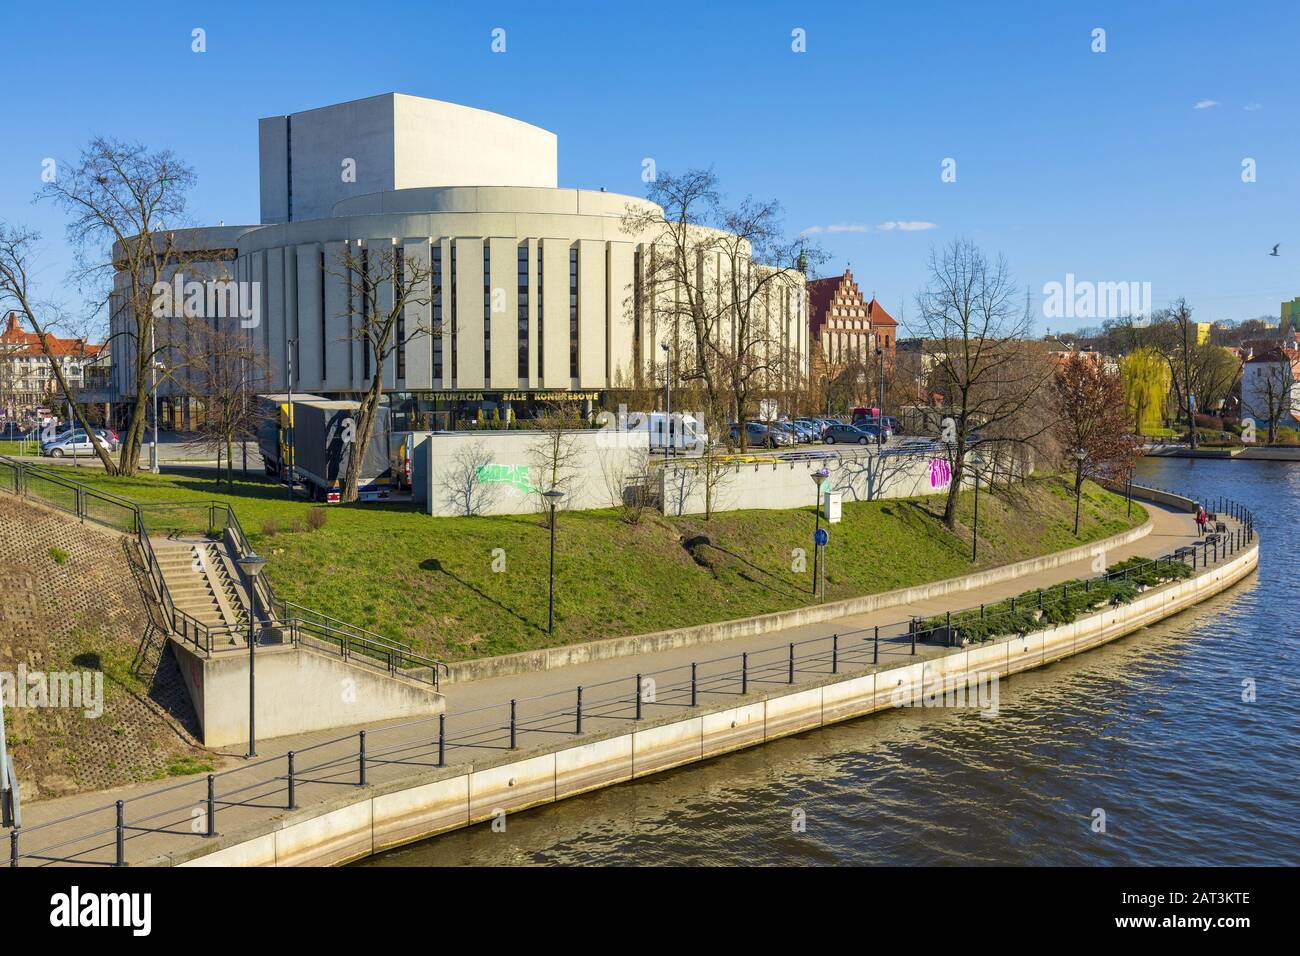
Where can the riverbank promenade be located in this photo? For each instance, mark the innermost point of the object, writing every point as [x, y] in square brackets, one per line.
[532, 711]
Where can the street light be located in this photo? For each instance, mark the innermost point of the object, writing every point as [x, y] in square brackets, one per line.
[880, 434]
[668, 396]
[1079, 456]
[250, 565]
[975, 530]
[156, 367]
[553, 498]
[818, 476]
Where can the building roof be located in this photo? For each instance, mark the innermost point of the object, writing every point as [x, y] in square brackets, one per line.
[823, 292]
[876, 312]
[14, 340]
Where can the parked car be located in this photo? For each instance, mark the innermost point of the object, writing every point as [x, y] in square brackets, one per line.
[74, 442]
[811, 426]
[794, 431]
[887, 423]
[842, 434]
[758, 434]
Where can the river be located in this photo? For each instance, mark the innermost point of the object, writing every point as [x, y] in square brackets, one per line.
[1151, 730]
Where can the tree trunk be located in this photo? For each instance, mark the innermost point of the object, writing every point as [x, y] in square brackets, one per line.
[954, 489]
[365, 426]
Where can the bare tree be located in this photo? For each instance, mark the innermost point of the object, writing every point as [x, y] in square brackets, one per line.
[556, 456]
[384, 283]
[224, 369]
[975, 332]
[627, 481]
[466, 490]
[16, 251]
[122, 201]
[716, 277]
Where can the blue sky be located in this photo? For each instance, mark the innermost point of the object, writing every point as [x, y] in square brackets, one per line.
[1067, 161]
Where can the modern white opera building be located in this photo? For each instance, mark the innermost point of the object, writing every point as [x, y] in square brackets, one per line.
[536, 291]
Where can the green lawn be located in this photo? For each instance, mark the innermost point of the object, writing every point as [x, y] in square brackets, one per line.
[431, 581]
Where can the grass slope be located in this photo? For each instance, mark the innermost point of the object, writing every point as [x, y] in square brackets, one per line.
[473, 587]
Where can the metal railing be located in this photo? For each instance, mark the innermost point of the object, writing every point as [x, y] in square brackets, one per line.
[426, 742]
[213, 519]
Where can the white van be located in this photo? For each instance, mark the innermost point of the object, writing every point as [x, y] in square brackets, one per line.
[680, 430]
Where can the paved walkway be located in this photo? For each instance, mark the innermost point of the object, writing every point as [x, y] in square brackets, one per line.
[478, 716]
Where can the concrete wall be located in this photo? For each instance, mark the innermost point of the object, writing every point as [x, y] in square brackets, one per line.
[510, 469]
[860, 475]
[298, 691]
[393, 141]
[350, 828]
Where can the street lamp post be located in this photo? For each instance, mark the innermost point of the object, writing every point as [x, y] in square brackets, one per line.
[975, 530]
[880, 434]
[818, 476]
[251, 565]
[668, 397]
[553, 499]
[1079, 456]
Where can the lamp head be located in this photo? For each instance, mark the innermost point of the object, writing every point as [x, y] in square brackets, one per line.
[251, 564]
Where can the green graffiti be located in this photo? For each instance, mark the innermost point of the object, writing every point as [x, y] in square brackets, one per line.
[516, 475]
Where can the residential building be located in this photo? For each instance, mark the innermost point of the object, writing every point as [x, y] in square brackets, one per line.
[26, 379]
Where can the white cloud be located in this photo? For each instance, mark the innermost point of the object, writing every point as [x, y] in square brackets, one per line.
[1205, 104]
[836, 227]
[1252, 107]
[907, 225]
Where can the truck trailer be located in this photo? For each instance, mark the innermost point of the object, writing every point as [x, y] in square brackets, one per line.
[274, 436]
[324, 433]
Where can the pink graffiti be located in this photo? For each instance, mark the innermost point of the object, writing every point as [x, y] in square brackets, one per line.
[940, 473]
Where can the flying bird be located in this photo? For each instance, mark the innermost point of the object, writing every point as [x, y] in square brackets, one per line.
[1274, 252]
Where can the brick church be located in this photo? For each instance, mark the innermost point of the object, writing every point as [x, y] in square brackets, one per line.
[844, 329]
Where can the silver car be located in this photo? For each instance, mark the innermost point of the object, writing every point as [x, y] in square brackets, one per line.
[75, 442]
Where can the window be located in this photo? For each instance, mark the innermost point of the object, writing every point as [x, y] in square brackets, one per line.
[487, 312]
[365, 315]
[454, 370]
[324, 338]
[541, 318]
[573, 312]
[522, 283]
[399, 280]
[437, 310]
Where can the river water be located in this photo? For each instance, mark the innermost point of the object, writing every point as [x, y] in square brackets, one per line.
[1151, 730]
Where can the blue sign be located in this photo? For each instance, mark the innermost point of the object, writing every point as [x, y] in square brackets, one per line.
[821, 537]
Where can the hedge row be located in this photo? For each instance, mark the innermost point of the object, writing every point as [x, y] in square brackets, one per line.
[1039, 610]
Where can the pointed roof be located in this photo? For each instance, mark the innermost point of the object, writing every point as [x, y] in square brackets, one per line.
[877, 314]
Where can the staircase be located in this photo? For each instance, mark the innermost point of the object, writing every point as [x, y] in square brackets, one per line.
[198, 578]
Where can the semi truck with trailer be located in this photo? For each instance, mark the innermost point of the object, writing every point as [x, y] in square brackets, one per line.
[324, 443]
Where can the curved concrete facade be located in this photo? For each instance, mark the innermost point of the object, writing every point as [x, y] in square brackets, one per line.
[538, 293]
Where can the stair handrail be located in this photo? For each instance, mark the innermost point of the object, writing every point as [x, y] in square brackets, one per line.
[274, 610]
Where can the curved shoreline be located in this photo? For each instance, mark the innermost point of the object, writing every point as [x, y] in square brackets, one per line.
[351, 827]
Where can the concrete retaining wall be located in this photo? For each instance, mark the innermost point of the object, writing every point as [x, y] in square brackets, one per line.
[859, 474]
[354, 827]
[547, 658]
[298, 691]
[504, 472]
